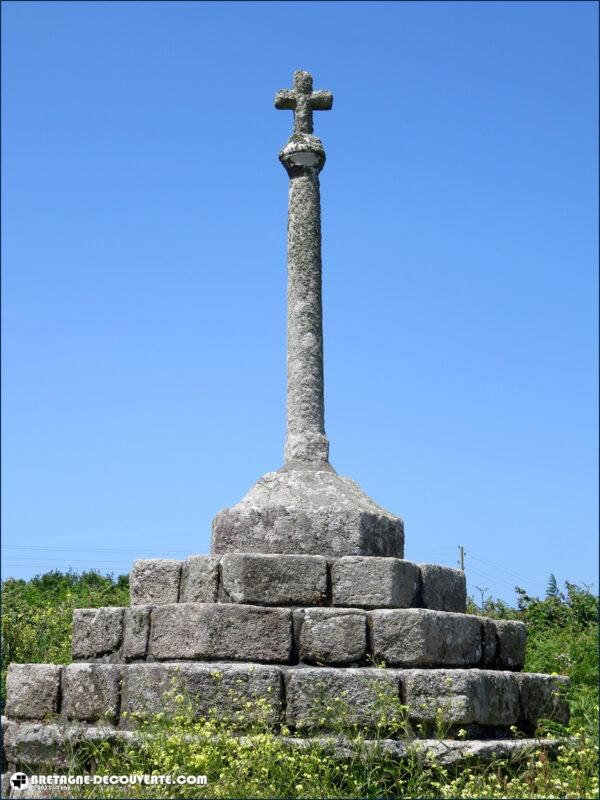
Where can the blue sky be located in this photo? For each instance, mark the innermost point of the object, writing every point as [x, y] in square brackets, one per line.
[144, 274]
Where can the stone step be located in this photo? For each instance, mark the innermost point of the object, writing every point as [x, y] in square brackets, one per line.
[304, 698]
[411, 637]
[299, 580]
[31, 745]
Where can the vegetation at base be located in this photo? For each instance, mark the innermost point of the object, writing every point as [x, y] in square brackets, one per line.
[263, 765]
[37, 615]
[562, 638]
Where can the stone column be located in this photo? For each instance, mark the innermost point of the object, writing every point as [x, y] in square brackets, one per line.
[303, 158]
[306, 507]
[305, 441]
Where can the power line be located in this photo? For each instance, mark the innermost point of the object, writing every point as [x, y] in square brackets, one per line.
[77, 549]
[121, 550]
[77, 560]
[495, 565]
[69, 558]
[491, 566]
[36, 566]
[493, 578]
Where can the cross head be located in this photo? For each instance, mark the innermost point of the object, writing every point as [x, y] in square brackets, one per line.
[303, 101]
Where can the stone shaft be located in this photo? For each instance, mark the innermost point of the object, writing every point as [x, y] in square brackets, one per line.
[306, 440]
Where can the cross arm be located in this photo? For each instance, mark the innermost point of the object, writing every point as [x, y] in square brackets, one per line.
[321, 101]
[285, 99]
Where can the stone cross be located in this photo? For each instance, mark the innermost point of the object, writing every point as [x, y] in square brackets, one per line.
[303, 101]
[303, 157]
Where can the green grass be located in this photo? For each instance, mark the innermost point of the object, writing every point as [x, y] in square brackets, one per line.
[562, 638]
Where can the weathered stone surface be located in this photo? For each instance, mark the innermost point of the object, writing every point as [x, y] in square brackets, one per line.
[5, 784]
[453, 751]
[275, 579]
[91, 692]
[32, 690]
[32, 739]
[199, 580]
[511, 637]
[96, 631]
[369, 582]
[303, 101]
[444, 751]
[34, 743]
[137, 631]
[443, 588]
[50, 745]
[462, 696]
[418, 637]
[333, 636]
[542, 697]
[37, 744]
[488, 642]
[329, 699]
[500, 699]
[155, 581]
[306, 441]
[311, 512]
[303, 158]
[221, 631]
[222, 689]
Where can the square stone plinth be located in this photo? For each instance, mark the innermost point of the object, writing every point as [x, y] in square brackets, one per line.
[97, 632]
[32, 690]
[221, 631]
[374, 582]
[324, 698]
[510, 644]
[462, 696]
[276, 580]
[418, 637]
[91, 692]
[242, 693]
[332, 635]
[542, 697]
[155, 581]
[137, 631]
[199, 580]
[443, 588]
[307, 511]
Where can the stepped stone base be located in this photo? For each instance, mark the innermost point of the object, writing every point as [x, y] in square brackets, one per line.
[53, 711]
[407, 637]
[296, 580]
[55, 745]
[306, 511]
[30, 744]
[301, 697]
[290, 639]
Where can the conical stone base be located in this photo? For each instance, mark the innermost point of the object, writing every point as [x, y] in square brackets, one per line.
[308, 511]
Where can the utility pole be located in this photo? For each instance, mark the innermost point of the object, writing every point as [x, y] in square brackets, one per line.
[481, 589]
[461, 557]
